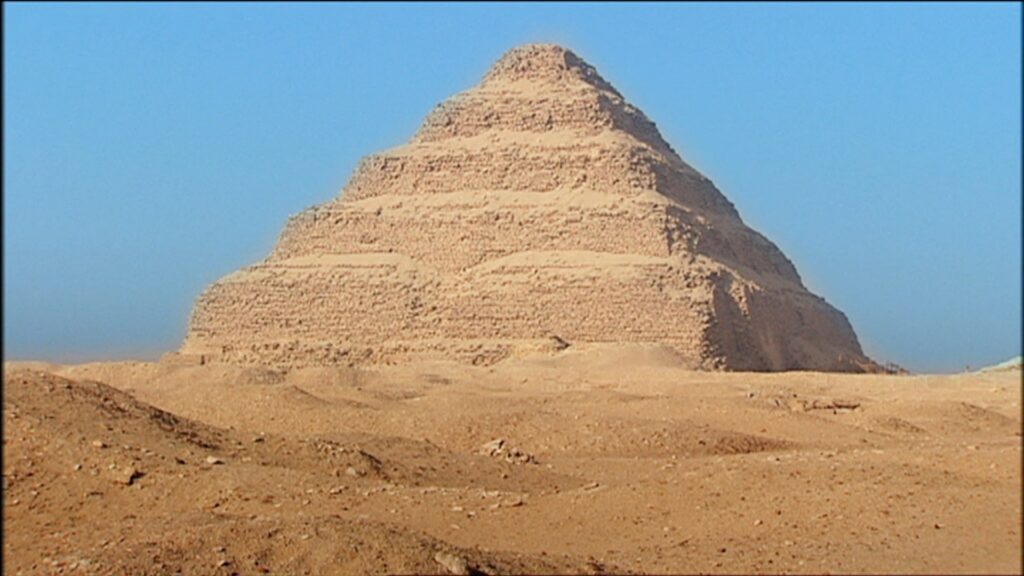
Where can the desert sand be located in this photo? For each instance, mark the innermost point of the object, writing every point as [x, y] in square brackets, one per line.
[585, 460]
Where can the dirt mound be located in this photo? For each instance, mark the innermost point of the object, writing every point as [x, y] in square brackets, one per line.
[598, 358]
[92, 412]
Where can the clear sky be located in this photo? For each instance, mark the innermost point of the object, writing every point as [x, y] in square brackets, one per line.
[150, 149]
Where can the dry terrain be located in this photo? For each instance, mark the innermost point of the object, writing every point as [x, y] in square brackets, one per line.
[587, 460]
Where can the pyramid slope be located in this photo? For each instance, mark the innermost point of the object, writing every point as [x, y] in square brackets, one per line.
[537, 204]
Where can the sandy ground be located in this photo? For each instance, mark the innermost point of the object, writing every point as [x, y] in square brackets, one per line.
[612, 460]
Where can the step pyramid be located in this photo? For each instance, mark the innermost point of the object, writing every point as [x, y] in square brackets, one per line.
[535, 211]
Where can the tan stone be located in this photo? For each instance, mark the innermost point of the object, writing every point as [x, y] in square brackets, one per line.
[536, 205]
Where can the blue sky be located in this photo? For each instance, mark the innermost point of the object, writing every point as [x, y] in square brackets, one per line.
[150, 149]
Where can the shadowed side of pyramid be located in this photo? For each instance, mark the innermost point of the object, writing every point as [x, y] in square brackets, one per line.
[537, 203]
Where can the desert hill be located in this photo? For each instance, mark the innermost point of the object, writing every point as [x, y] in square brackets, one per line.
[96, 482]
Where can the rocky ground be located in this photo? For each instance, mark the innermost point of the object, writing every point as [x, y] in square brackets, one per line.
[580, 462]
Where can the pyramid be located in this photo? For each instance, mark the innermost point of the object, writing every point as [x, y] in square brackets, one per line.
[535, 211]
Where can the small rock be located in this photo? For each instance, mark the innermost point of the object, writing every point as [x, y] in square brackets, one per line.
[128, 475]
[352, 472]
[214, 461]
[500, 448]
[222, 563]
[558, 343]
[758, 522]
[99, 443]
[452, 563]
[78, 467]
[493, 447]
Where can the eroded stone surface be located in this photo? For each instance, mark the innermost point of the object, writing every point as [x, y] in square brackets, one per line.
[538, 203]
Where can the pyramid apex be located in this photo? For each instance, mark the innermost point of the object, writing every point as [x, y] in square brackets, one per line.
[537, 55]
[544, 62]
